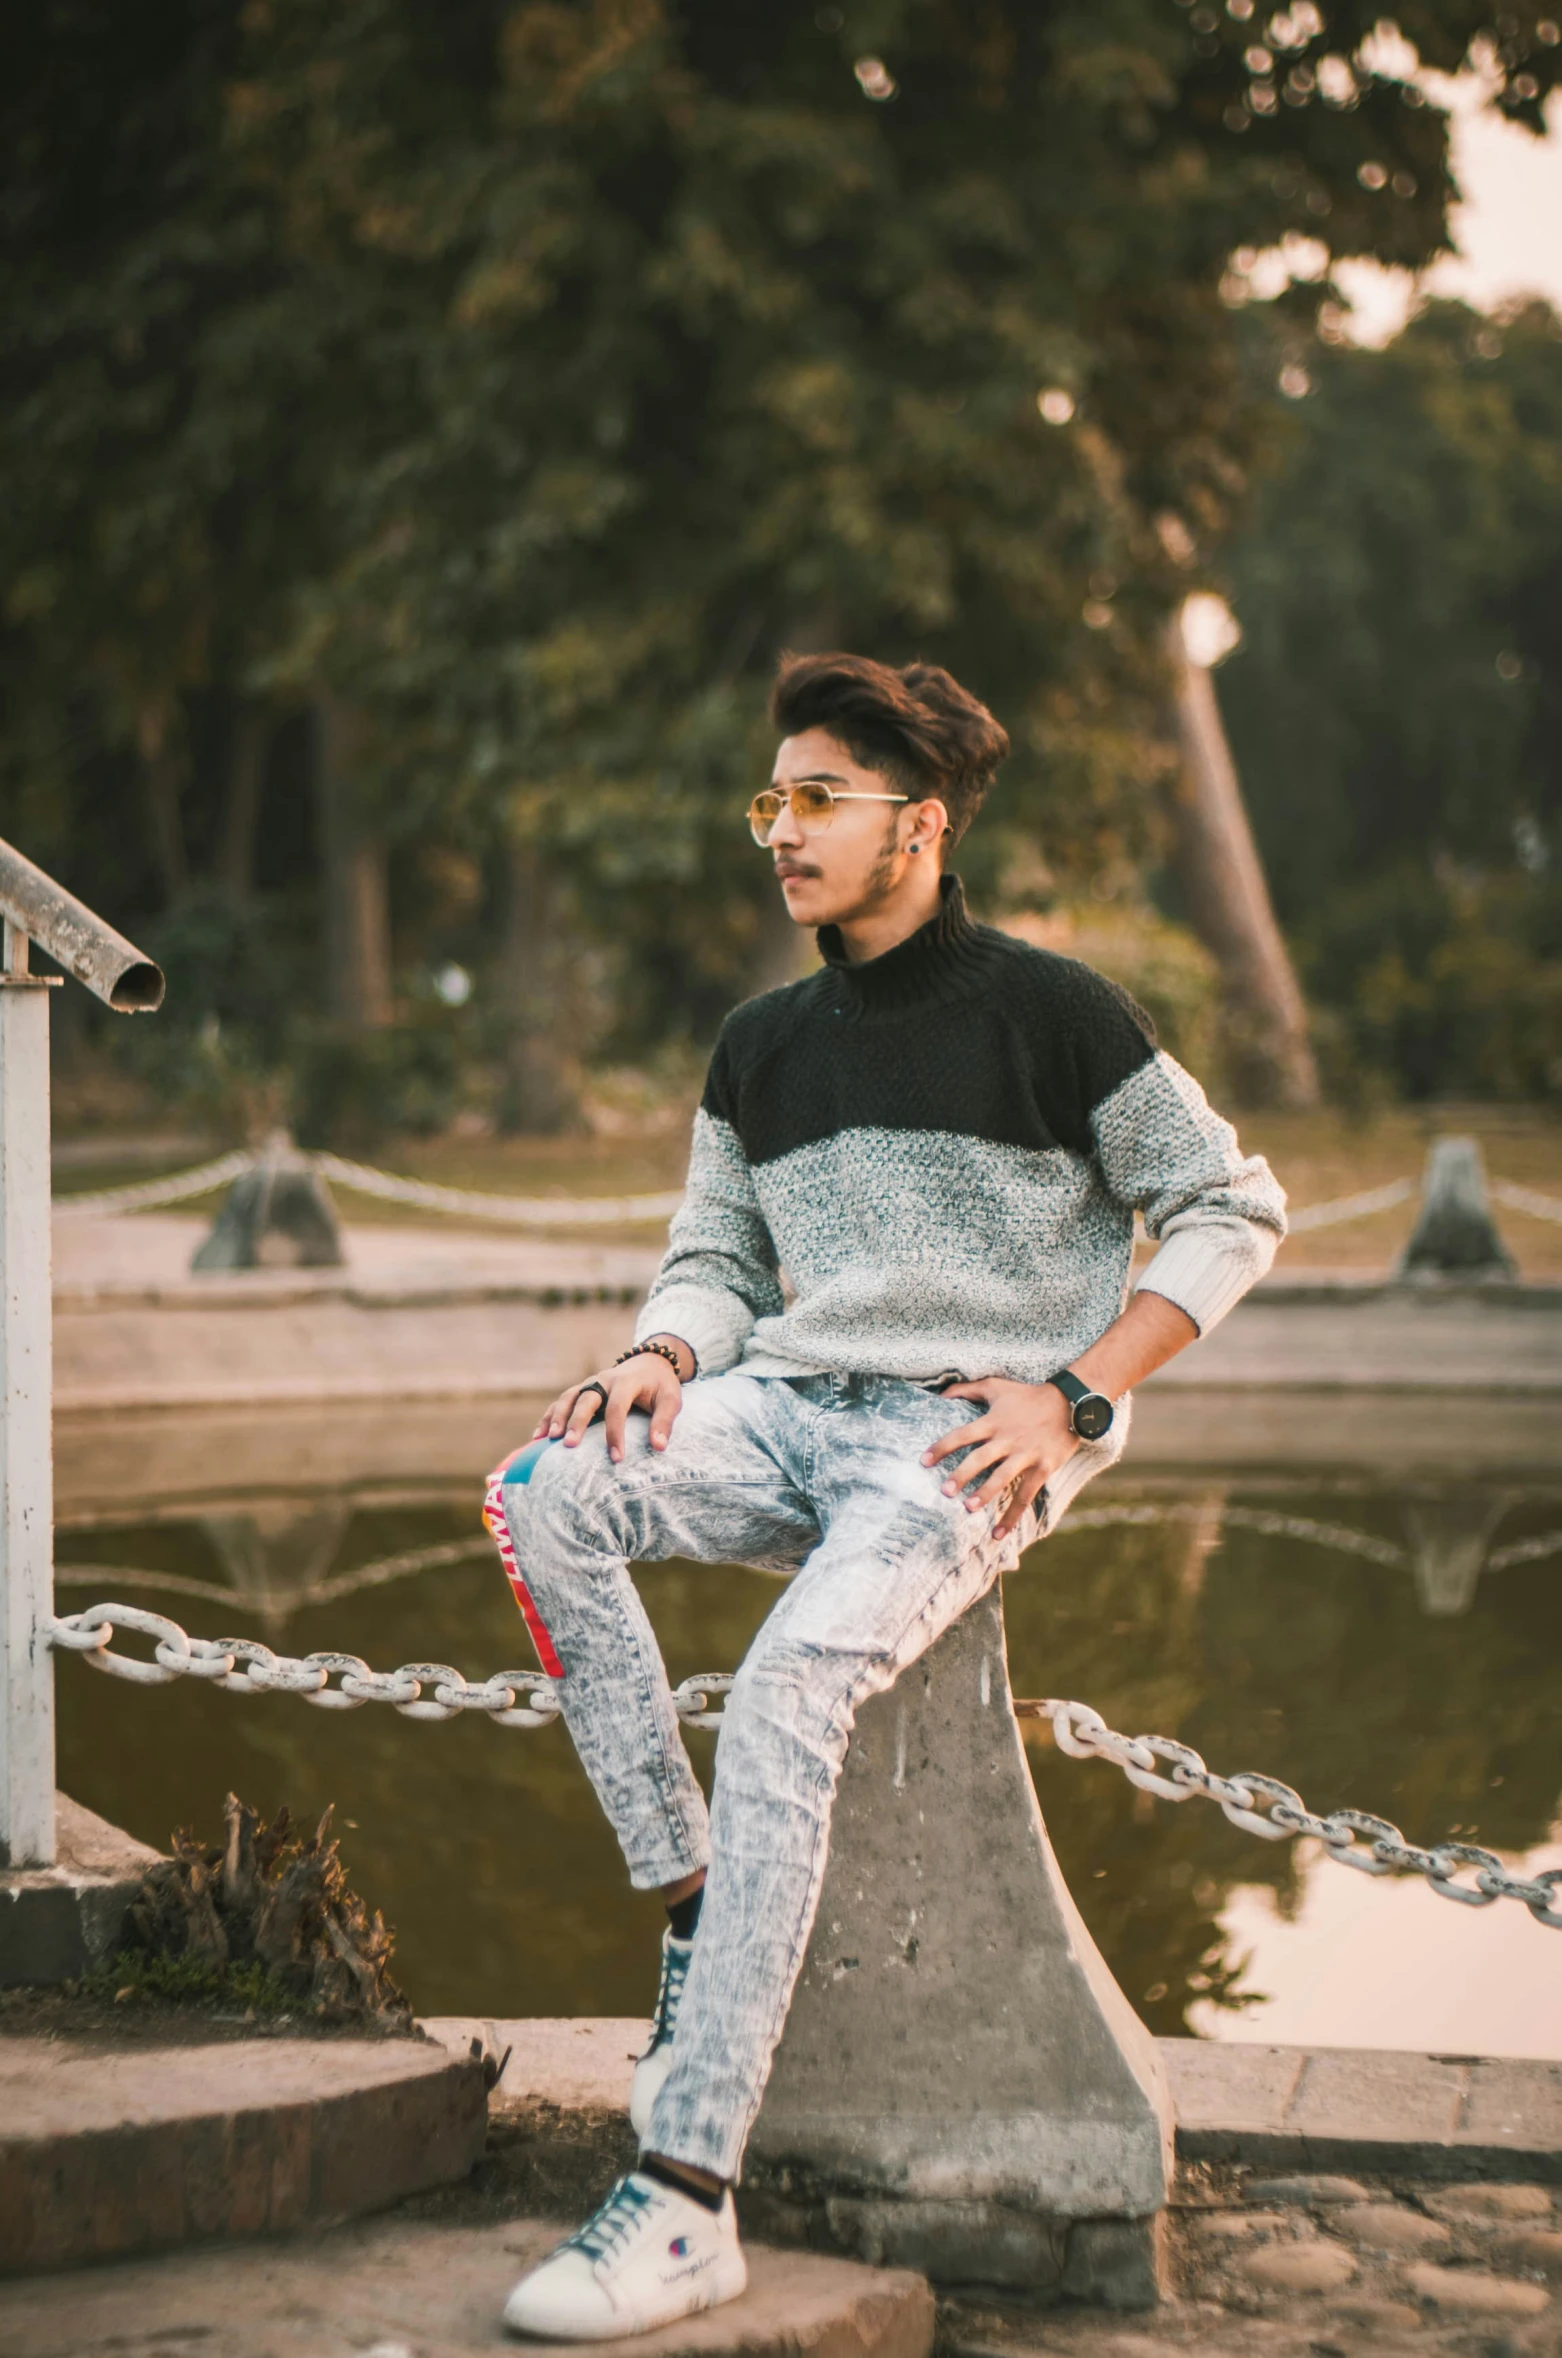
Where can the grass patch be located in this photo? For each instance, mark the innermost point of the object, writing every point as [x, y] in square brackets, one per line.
[134, 1975]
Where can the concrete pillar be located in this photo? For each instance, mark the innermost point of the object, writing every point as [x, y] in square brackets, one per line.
[1454, 1234]
[962, 2087]
[278, 1215]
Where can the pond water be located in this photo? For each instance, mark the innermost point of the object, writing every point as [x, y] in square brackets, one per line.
[1391, 1649]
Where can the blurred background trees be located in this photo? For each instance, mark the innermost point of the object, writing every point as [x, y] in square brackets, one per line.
[1396, 704]
[425, 428]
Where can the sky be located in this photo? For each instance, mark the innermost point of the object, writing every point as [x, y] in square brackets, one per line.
[1507, 231]
[1508, 228]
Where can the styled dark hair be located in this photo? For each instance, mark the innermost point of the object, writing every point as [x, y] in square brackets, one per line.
[916, 725]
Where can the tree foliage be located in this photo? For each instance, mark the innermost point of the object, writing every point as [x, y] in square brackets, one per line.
[528, 375]
[1396, 705]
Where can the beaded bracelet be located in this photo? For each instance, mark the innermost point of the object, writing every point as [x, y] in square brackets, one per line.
[660, 1351]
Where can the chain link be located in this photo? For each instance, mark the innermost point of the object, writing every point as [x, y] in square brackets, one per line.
[548, 1211]
[436, 1691]
[604, 1211]
[1341, 1208]
[418, 1690]
[1374, 1846]
[147, 1194]
[1527, 1199]
[597, 1211]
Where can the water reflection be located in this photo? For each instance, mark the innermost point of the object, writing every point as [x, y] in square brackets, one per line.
[1387, 1648]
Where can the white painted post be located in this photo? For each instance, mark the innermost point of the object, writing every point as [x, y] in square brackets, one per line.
[26, 1442]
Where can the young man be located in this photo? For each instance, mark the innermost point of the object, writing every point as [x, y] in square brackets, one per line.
[941, 1138]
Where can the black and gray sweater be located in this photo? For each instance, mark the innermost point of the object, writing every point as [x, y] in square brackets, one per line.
[943, 1149]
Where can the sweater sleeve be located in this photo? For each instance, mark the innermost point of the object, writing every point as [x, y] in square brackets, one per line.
[720, 1271]
[1217, 1215]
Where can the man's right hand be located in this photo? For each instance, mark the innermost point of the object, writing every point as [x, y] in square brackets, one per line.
[647, 1381]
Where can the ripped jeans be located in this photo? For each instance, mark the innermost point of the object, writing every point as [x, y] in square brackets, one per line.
[817, 1476]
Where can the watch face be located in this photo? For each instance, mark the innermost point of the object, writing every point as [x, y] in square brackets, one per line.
[1093, 1416]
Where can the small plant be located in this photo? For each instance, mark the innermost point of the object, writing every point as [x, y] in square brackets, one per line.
[266, 1921]
[189, 1981]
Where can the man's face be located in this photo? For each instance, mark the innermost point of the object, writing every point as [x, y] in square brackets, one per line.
[850, 868]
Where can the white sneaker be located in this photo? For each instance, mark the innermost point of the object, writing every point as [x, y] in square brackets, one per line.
[646, 2257]
[657, 2061]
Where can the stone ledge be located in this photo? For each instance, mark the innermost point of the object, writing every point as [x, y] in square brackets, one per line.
[109, 2151]
[59, 1922]
[1348, 2108]
[1312, 2108]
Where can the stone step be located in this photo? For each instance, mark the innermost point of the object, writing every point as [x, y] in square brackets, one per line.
[58, 1923]
[1361, 2108]
[420, 2288]
[108, 2150]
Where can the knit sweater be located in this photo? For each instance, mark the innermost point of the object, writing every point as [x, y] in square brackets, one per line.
[929, 1164]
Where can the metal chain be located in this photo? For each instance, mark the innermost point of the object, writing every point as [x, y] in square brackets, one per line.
[217, 1662]
[1375, 1846]
[605, 1210]
[1078, 1731]
[148, 1194]
[597, 1211]
[1526, 1199]
[1351, 1207]
[548, 1211]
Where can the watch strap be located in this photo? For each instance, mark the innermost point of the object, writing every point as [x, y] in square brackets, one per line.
[1076, 1391]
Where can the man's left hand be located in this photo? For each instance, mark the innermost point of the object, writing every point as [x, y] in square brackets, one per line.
[1018, 1445]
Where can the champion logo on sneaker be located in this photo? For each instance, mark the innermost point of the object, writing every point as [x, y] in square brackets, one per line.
[623, 2272]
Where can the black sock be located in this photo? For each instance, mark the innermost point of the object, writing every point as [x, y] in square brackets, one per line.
[684, 1914]
[650, 2167]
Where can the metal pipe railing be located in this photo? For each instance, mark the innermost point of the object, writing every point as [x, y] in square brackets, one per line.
[36, 909]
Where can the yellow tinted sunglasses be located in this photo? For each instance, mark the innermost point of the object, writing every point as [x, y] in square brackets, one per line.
[811, 802]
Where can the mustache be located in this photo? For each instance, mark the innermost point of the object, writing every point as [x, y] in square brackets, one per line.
[785, 868]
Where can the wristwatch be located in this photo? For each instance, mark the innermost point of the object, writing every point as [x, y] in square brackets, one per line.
[1090, 1413]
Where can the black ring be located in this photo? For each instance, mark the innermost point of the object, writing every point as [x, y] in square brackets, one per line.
[601, 1393]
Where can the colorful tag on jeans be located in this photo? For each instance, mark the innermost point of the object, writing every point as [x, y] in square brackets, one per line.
[518, 1468]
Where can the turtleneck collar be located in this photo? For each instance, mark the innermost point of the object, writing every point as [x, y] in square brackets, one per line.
[941, 959]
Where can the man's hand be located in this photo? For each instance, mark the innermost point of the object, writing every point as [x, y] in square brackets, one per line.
[646, 1381]
[1026, 1434]
[1021, 1441]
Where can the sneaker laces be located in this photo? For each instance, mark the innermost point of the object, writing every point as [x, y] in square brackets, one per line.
[675, 1972]
[612, 2223]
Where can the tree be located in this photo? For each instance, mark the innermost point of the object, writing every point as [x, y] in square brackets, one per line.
[1396, 704]
[173, 391]
[743, 318]
[564, 360]
[1226, 895]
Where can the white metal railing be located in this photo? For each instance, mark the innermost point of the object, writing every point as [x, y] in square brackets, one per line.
[33, 908]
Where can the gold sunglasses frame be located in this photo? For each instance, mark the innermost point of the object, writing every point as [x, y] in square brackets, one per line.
[818, 826]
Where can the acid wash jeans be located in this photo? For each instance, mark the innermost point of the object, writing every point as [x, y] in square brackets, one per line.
[817, 1476]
